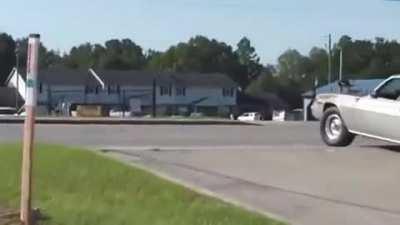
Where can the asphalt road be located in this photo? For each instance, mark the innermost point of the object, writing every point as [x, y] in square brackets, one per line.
[272, 134]
[279, 168]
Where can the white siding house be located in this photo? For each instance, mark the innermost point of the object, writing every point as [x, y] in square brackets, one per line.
[176, 93]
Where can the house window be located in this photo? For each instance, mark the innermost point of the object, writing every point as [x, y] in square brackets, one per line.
[112, 89]
[97, 90]
[89, 90]
[180, 91]
[165, 90]
[228, 92]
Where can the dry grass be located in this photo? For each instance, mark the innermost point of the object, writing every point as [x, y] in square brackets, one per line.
[9, 217]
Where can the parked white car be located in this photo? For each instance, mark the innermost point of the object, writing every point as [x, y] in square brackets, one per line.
[119, 113]
[250, 116]
[376, 115]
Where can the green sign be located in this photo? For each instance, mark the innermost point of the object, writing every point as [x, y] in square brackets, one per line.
[30, 83]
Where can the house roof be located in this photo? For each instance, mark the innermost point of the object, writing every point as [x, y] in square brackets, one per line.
[67, 77]
[202, 79]
[64, 76]
[145, 78]
[8, 97]
[359, 87]
[60, 75]
[114, 77]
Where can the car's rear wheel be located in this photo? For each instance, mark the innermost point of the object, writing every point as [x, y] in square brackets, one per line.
[333, 129]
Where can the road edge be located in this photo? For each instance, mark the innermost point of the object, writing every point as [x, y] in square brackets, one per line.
[194, 188]
[121, 121]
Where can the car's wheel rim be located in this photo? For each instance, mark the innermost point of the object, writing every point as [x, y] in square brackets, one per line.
[333, 126]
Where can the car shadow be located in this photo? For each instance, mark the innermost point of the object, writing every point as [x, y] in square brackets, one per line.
[392, 148]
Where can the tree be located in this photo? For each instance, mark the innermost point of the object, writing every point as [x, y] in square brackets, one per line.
[115, 55]
[122, 55]
[248, 57]
[294, 75]
[319, 60]
[7, 56]
[357, 56]
[81, 57]
[266, 82]
[47, 59]
[203, 55]
[294, 66]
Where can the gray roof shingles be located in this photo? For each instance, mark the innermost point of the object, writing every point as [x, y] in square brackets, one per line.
[66, 77]
[135, 78]
[8, 97]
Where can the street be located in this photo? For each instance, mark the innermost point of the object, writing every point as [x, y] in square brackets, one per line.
[272, 134]
[282, 169]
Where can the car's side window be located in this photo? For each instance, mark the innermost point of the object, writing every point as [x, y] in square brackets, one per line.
[390, 90]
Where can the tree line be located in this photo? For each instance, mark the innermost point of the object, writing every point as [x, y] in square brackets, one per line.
[293, 74]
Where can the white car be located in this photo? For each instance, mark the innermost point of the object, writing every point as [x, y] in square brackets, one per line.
[250, 116]
[119, 113]
[376, 115]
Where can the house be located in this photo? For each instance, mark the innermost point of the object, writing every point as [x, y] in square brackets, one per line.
[176, 93]
[354, 87]
[63, 89]
[9, 97]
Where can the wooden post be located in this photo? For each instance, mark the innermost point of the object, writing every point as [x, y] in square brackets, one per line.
[29, 128]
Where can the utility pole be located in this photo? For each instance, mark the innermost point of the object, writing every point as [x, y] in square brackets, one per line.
[29, 128]
[341, 64]
[329, 58]
[341, 69]
[124, 107]
[154, 98]
[17, 76]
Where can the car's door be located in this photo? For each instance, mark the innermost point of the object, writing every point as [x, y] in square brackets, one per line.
[379, 114]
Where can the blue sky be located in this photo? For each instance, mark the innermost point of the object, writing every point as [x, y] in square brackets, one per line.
[272, 26]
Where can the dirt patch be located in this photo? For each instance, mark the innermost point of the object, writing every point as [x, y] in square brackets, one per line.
[9, 217]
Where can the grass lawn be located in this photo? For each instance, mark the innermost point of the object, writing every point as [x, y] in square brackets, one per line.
[77, 187]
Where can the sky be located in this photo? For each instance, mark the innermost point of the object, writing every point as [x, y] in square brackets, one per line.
[272, 26]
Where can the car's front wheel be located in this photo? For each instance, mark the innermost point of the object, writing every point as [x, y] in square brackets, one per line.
[333, 129]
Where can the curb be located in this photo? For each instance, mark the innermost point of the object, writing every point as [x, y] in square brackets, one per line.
[107, 121]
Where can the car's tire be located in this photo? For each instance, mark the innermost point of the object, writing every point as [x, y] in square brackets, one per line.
[333, 129]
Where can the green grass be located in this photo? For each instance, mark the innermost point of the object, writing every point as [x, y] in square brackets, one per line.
[77, 187]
